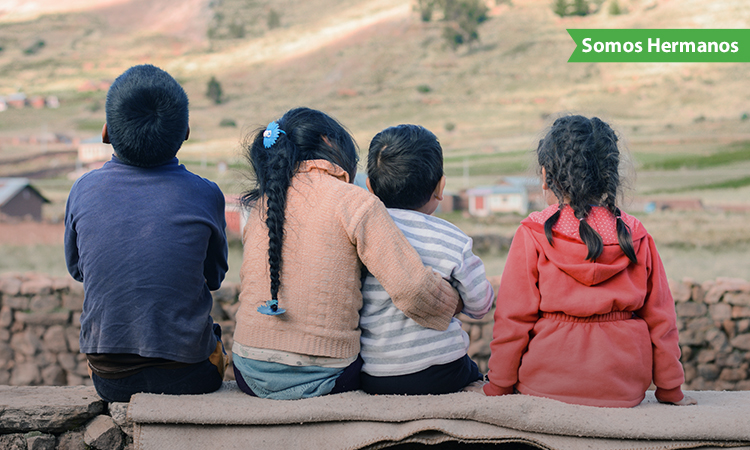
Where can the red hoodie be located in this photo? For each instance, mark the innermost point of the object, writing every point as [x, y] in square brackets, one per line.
[590, 333]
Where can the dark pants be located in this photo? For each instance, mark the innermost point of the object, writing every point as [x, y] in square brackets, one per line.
[199, 378]
[441, 379]
[347, 381]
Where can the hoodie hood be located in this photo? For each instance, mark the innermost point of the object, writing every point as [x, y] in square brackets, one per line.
[568, 252]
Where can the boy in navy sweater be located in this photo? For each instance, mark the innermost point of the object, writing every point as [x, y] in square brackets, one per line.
[147, 239]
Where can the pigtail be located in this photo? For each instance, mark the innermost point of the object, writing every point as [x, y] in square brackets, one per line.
[283, 163]
[624, 236]
[549, 223]
[274, 158]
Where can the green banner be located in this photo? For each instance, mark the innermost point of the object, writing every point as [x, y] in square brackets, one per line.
[662, 45]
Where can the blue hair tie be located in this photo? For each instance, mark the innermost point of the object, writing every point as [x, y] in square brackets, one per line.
[271, 134]
[271, 308]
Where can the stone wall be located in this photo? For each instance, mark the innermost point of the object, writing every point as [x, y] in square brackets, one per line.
[40, 322]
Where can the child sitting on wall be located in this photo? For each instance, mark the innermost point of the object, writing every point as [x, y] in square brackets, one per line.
[146, 237]
[405, 170]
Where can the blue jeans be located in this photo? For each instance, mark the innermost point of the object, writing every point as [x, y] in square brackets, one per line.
[291, 383]
[441, 379]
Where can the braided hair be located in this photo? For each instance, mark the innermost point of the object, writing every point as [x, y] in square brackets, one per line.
[581, 163]
[305, 134]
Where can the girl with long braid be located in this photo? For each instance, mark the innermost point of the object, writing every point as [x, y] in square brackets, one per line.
[309, 234]
[584, 313]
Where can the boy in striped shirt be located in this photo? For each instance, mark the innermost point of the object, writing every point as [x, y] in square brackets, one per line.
[405, 170]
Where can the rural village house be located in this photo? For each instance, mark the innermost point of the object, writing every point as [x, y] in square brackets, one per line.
[19, 199]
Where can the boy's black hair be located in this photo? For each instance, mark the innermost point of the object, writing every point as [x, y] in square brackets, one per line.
[405, 165]
[581, 161]
[147, 116]
[307, 134]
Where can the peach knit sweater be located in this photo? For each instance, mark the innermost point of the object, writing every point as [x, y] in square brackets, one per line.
[332, 228]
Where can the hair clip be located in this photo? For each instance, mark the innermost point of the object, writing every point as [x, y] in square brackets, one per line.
[271, 134]
[271, 308]
[618, 218]
[581, 219]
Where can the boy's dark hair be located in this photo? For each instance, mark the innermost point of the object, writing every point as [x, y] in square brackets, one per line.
[147, 116]
[405, 165]
[307, 134]
[581, 160]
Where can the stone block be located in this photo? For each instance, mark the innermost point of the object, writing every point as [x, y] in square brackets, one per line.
[12, 442]
[42, 319]
[720, 311]
[231, 310]
[75, 380]
[217, 312]
[47, 409]
[475, 332]
[6, 355]
[55, 340]
[25, 343]
[698, 294]
[737, 298]
[54, 375]
[690, 309]
[681, 291]
[73, 302]
[740, 312]
[708, 372]
[743, 326]
[6, 316]
[16, 302]
[729, 328]
[25, 374]
[67, 361]
[5, 378]
[71, 440]
[119, 414]
[4, 335]
[479, 349]
[686, 353]
[734, 359]
[717, 340]
[60, 284]
[72, 336]
[40, 441]
[103, 433]
[706, 356]
[38, 285]
[10, 286]
[690, 372]
[741, 342]
[75, 321]
[227, 293]
[44, 303]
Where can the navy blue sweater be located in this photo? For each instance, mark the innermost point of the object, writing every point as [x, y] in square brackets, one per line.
[149, 244]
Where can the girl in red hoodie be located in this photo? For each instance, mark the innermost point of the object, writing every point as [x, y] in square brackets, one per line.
[584, 312]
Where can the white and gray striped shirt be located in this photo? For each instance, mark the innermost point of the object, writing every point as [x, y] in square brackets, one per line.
[391, 343]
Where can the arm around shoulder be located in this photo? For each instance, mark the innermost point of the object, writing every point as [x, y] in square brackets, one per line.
[423, 295]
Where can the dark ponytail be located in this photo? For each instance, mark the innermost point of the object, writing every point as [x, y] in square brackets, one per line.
[305, 134]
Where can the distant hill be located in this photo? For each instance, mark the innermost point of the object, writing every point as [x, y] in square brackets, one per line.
[372, 63]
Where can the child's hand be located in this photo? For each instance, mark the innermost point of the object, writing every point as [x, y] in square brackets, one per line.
[684, 402]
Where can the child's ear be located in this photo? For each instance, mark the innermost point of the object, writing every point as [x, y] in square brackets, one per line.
[369, 188]
[187, 135]
[105, 134]
[439, 188]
